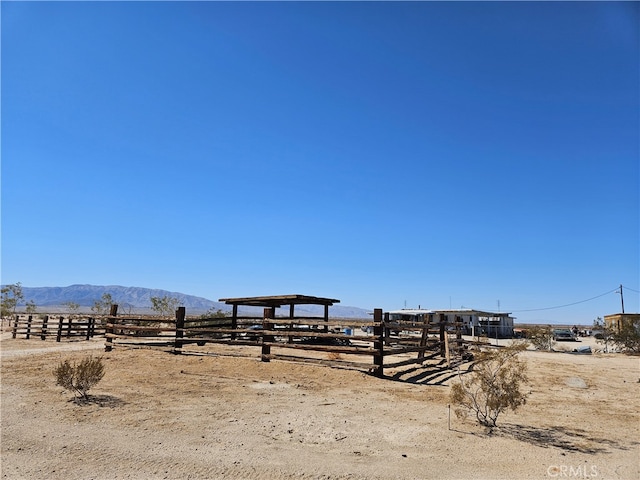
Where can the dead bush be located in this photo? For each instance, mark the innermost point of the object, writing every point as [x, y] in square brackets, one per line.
[79, 378]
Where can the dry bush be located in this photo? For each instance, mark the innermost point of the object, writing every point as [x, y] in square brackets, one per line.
[541, 337]
[80, 378]
[495, 385]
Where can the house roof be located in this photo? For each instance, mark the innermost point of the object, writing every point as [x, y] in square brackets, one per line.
[462, 311]
[279, 300]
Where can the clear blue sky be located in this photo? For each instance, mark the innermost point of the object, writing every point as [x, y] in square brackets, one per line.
[386, 154]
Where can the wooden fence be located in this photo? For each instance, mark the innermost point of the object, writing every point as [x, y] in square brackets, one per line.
[371, 345]
[56, 326]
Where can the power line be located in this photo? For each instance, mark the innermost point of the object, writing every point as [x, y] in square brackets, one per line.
[568, 304]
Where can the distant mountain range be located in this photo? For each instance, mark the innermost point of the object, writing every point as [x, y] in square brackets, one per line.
[137, 299]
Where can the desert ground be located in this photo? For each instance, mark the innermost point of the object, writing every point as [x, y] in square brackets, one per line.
[227, 415]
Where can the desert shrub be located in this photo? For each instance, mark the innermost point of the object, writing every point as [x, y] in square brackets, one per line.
[214, 313]
[495, 385]
[80, 378]
[165, 305]
[541, 338]
[627, 338]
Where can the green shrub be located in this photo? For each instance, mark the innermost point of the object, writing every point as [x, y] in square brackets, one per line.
[80, 378]
[494, 386]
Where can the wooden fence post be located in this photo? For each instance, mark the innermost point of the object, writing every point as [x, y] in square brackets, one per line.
[447, 350]
[424, 337]
[88, 336]
[387, 330]
[111, 320]
[378, 344]
[60, 323]
[92, 327]
[269, 313]
[29, 318]
[43, 332]
[181, 314]
[15, 326]
[69, 327]
[443, 319]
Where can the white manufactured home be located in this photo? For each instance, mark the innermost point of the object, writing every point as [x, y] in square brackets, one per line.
[474, 322]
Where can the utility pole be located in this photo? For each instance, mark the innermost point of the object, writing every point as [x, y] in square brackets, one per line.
[621, 298]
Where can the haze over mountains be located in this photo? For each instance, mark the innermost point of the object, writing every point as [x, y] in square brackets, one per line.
[138, 300]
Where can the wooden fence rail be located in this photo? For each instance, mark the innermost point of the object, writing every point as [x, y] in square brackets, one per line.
[336, 341]
[55, 326]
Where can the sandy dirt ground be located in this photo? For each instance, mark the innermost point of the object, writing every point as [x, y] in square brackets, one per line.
[161, 416]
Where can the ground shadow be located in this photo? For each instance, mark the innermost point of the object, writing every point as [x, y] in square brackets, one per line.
[107, 401]
[430, 374]
[569, 439]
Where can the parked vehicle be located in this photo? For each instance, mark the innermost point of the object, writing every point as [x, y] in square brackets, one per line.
[562, 335]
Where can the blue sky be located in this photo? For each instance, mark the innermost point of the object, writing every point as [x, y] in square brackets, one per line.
[386, 154]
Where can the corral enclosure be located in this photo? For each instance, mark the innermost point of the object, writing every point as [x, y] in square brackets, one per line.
[369, 345]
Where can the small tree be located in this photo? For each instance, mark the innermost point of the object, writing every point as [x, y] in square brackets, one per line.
[604, 333]
[31, 307]
[72, 308]
[165, 306]
[102, 306]
[541, 337]
[495, 385]
[80, 378]
[11, 295]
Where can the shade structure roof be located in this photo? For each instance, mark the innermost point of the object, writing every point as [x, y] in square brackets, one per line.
[279, 300]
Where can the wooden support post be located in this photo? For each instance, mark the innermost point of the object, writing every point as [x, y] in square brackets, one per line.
[181, 314]
[291, 315]
[108, 346]
[29, 318]
[60, 325]
[15, 326]
[268, 315]
[326, 318]
[43, 331]
[234, 320]
[443, 333]
[378, 344]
